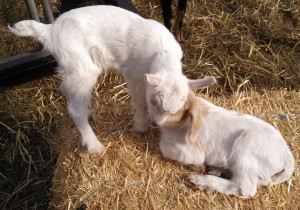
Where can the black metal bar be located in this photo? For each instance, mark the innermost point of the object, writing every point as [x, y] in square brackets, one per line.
[47, 11]
[26, 67]
[32, 10]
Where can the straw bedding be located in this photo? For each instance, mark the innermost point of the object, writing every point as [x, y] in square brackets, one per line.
[252, 47]
[132, 174]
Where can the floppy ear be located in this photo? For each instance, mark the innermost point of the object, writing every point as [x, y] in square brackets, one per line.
[201, 83]
[152, 79]
[196, 119]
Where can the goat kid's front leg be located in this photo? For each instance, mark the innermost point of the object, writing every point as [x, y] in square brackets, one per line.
[138, 94]
[78, 91]
[140, 118]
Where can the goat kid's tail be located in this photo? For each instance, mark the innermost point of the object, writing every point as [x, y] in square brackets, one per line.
[32, 28]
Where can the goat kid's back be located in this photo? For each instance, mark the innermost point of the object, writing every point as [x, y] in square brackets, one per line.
[252, 150]
[117, 34]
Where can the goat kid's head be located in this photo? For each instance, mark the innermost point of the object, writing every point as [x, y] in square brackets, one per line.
[168, 95]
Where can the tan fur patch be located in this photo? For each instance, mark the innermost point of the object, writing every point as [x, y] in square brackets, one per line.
[176, 119]
[192, 111]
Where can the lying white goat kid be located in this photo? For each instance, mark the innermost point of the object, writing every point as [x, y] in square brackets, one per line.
[201, 133]
[91, 40]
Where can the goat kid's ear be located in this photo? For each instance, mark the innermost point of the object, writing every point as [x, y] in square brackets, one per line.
[201, 83]
[152, 79]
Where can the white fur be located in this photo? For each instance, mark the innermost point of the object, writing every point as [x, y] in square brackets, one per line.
[252, 150]
[91, 40]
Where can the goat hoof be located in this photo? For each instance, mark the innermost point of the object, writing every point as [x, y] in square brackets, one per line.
[194, 180]
[189, 184]
[96, 147]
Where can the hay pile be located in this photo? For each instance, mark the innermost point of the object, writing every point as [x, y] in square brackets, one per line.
[27, 161]
[252, 47]
[132, 174]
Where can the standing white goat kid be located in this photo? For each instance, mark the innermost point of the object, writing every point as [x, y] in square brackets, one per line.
[91, 40]
[201, 133]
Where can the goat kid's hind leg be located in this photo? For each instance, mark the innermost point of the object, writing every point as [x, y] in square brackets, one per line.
[78, 91]
[218, 171]
[218, 184]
